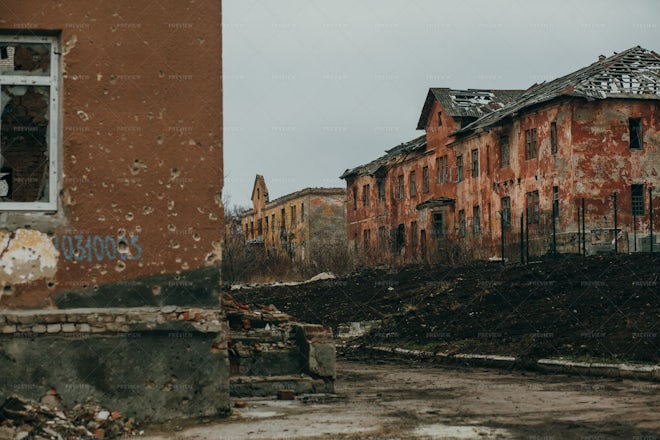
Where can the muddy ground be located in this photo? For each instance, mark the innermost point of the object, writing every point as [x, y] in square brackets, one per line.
[418, 401]
[596, 308]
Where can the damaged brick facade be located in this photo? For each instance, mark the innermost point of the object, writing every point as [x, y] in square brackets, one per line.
[111, 177]
[304, 224]
[111, 144]
[492, 156]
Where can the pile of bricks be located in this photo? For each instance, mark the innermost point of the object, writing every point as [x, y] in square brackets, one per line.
[22, 418]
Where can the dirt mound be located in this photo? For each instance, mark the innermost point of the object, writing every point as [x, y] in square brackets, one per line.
[601, 307]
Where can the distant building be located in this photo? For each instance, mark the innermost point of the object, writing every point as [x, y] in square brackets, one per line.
[491, 159]
[304, 224]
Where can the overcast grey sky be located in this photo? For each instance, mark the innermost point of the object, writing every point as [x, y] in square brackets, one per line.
[314, 87]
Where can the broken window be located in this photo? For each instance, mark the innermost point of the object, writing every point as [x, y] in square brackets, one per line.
[413, 187]
[476, 220]
[461, 222]
[425, 179]
[438, 227]
[635, 128]
[381, 189]
[282, 219]
[260, 229]
[506, 210]
[365, 195]
[400, 186]
[504, 151]
[553, 138]
[459, 167]
[272, 223]
[28, 127]
[555, 201]
[637, 196]
[475, 163]
[266, 231]
[439, 119]
[400, 238]
[302, 212]
[382, 237]
[294, 216]
[530, 143]
[533, 207]
[442, 166]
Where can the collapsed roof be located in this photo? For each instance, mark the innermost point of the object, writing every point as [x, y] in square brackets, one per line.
[393, 155]
[471, 103]
[634, 73]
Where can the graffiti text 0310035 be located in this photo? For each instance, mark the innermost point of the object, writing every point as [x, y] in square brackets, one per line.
[98, 247]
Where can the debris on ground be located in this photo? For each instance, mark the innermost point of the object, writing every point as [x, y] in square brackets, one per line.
[22, 418]
[602, 307]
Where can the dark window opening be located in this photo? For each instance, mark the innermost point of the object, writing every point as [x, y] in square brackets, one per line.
[381, 189]
[400, 238]
[475, 163]
[400, 186]
[635, 128]
[533, 207]
[439, 119]
[438, 226]
[553, 138]
[530, 143]
[365, 195]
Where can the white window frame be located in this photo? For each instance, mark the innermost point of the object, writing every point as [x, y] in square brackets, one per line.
[53, 81]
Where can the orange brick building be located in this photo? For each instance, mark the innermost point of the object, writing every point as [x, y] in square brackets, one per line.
[493, 159]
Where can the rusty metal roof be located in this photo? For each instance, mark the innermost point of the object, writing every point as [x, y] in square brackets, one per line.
[634, 73]
[392, 155]
[473, 103]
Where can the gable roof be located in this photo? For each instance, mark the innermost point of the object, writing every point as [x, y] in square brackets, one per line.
[259, 178]
[371, 168]
[634, 73]
[465, 103]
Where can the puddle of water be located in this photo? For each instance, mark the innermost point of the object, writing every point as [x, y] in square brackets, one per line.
[440, 431]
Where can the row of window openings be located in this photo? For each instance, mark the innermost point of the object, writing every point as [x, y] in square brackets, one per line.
[260, 223]
[442, 163]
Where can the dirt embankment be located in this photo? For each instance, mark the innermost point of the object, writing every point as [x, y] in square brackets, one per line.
[602, 307]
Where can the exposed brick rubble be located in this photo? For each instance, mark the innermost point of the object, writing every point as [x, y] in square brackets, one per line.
[49, 419]
[117, 320]
[269, 352]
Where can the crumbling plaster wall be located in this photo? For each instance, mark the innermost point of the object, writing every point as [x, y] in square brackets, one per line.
[140, 153]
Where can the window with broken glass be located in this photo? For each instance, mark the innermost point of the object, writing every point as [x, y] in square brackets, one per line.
[635, 128]
[400, 185]
[29, 89]
[381, 189]
[461, 222]
[365, 195]
[438, 226]
[476, 219]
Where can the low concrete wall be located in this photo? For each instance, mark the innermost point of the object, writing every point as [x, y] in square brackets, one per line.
[149, 363]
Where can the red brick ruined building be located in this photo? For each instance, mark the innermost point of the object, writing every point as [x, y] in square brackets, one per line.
[495, 167]
[110, 145]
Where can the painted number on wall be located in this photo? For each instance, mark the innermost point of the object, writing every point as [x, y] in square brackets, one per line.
[98, 248]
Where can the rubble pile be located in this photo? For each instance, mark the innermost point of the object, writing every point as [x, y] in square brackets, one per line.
[22, 418]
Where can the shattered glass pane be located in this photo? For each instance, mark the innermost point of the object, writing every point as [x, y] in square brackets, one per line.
[30, 59]
[24, 131]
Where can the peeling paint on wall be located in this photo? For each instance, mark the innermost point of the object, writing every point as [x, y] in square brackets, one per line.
[26, 255]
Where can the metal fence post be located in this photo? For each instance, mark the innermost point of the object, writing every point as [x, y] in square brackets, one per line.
[616, 226]
[522, 241]
[554, 230]
[651, 217]
[579, 232]
[584, 230]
